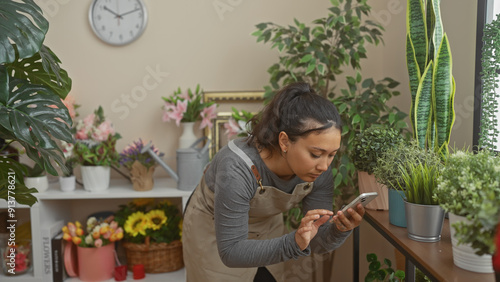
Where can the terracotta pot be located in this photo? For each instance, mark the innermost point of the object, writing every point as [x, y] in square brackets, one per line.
[96, 264]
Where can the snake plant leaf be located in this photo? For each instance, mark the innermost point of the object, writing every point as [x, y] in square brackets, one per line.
[414, 78]
[22, 24]
[417, 30]
[423, 108]
[443, 92]
[430, 18]
[438, 33]
[34, 115]
[42, 68]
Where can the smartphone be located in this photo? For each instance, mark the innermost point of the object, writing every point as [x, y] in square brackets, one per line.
[364, 199]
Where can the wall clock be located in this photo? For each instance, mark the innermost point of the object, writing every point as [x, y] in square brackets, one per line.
[118, 22]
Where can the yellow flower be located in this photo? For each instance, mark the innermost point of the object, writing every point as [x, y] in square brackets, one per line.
[136, 223]
[143, 202]
[156, 218]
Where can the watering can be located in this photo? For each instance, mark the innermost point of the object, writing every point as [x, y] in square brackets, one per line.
[191, 163]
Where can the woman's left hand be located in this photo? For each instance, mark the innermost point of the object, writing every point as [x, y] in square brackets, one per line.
[344, 223]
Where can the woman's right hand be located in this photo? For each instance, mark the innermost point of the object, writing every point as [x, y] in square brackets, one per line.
[309, 226]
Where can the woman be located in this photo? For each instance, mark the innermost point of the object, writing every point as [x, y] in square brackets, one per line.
[233, 225]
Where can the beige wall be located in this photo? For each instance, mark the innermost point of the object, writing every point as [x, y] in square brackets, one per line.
[189, 42]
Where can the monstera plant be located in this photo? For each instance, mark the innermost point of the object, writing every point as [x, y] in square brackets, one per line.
[432, 85]
[32, 85]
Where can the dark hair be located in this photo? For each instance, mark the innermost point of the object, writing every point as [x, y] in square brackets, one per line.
[295, 109]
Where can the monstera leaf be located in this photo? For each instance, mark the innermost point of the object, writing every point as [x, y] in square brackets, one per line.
[34, 115]
[11, 178]
[16, 28]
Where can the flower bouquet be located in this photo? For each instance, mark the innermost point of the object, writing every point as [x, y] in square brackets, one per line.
[95, 247]
[95, 150]
[189, 107]
[140, 165]
[152, 234]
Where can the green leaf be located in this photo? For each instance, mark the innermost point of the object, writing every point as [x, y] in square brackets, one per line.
[321, 69]
[306, 58]
[444, 91]
[423, 107]
[311, 67]
[414, 77]
[24, 26]
[417, 31]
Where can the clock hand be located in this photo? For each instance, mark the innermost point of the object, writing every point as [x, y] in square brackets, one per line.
[129, 12]
[112, 12]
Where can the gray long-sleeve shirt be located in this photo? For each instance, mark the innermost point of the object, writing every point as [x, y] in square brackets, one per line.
[234, 185]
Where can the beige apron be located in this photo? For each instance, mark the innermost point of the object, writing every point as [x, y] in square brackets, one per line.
[201, 256]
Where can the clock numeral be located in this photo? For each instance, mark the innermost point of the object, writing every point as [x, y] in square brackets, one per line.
[120, 37]
[110, 34]
[99, 17]
[103, 28]
[131, 33]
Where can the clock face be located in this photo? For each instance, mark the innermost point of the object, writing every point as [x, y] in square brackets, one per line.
[118, 22]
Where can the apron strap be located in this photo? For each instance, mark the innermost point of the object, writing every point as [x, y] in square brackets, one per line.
[248, 161]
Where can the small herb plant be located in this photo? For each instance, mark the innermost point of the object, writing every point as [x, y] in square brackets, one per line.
[469, 186]
[382, 272]
[387, 171]
[369, 145]
[420, 181]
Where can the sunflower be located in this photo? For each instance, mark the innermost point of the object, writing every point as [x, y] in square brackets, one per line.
[136, 223]
[156, 218]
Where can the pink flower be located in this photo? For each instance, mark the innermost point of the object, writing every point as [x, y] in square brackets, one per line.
[81, 135]
[167, 109]
[98, 243]
[207, 114]
[88, 121]
[69, 102]
[232, 128]
[103, 131]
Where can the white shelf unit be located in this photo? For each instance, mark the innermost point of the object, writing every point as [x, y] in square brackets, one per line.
[54, 205]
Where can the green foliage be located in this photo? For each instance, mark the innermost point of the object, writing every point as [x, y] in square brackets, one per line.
[168, 232]
[382, 272]
[318, 54]
[420, 181]
[387, 170]
[470, 186]
[369, 145]
[31, 87]
[432, 85]
[490, 62]
[102, 153]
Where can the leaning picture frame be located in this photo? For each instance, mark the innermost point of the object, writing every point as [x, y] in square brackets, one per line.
[250, 101]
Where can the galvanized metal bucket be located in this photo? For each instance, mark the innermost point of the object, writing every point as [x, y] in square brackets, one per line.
[424, 222]
[191, 163]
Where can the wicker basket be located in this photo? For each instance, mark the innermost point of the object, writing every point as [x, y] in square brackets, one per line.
[156, 257]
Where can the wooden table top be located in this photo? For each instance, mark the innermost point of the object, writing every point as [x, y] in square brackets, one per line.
[434, 259]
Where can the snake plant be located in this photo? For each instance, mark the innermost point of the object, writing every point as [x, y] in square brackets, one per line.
[432, 86]
[31, 87]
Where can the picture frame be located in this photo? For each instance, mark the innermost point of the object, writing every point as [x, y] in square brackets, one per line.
[250, 101]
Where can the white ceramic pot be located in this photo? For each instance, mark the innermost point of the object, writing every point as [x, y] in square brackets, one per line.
[41, 183]
[95, 178]
[188, 137]
[67, 183]
[464, 256]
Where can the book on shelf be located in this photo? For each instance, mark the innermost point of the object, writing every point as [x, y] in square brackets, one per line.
[48, 231]
[58, 272]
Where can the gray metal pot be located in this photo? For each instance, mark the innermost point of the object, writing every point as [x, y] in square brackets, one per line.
[424, 222]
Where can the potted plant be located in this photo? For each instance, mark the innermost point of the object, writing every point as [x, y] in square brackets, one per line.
[424, 215]
[95, 150]
[31, 73]
[95, 247]
[35, 177]
[152, 234]
[382, 272]
[368, 146]
[469, 190]
[432, 86]
[387, 172]
[186, 108]
[140, 164]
